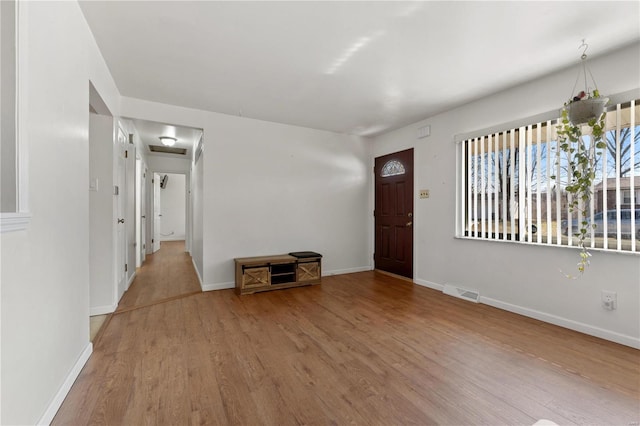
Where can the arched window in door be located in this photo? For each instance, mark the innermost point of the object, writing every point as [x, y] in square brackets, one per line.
[392, 168]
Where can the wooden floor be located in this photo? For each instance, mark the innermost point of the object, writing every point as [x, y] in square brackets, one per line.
[362, 348]
[166, 274]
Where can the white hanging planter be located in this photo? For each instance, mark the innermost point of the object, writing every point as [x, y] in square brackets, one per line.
[581, 112]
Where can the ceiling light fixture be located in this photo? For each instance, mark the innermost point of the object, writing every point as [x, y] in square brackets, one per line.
[168, 140]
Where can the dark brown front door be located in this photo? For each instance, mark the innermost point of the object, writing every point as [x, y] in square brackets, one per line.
[394, 213]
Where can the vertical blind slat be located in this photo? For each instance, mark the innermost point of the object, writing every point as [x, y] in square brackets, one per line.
[505, 197]
[463, 182]
[548, 186]
[512, 178]
[469, 217]
[558, 194]
[496, 191]
[483, 190]
[529, 172]
[618, 227]
[489, 191]
[538, 221]
[632, 186]
[522, 181]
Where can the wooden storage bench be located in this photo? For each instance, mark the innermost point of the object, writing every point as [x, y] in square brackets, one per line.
[264, 273]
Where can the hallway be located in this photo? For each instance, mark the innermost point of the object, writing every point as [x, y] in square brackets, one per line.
[165, 274]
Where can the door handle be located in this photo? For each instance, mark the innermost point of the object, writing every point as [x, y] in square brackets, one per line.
[120, 220]
[409, 223]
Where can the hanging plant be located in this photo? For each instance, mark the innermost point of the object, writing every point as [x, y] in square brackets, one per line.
[580, 135]
[581, 155]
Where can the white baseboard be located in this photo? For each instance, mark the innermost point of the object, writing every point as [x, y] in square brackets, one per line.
[197, 272]
[429, 284]
[346, 271]
[178, 238]
[219, 286]
[57, 401]
[102, 310]
[133, 277]
[612, 336]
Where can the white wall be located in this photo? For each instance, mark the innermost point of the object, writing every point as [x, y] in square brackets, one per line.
[101, 237]
[272, 188]
[173, 208]
[162, 164]
[197, 182]
[45, 269]
[522, 278]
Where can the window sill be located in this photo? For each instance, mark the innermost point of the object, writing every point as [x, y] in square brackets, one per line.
[560, 246]
[12, 222]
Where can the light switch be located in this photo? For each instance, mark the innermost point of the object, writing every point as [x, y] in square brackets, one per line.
[424, 193]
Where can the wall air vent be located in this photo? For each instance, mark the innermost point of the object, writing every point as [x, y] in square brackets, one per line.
[168, 150]
[462, 293]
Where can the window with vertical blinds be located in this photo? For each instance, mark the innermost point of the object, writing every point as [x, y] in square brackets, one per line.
[512, 186]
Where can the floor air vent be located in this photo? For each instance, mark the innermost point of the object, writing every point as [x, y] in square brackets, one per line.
[462, 293]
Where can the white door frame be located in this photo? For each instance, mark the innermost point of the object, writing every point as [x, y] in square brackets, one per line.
[157, 211]
[188, 232]
[120, 188]
[140, 213]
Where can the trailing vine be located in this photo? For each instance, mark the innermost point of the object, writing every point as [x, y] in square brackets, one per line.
[581, 156]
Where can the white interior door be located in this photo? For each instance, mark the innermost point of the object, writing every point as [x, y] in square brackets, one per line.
[120, 196]
[157, 213]
[143, 215]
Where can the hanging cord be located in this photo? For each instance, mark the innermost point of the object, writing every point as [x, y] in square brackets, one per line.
[583, 59]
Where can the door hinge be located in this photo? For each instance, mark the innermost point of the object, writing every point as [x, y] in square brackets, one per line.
[126, 154]
[152, 240]
[131, 138]
[144, 246]
[125, 267]
[152, 181]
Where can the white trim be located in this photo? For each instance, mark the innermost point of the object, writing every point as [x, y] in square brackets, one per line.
[429, 284]
[347, 271]
[133, 277]
[14, 222]
[612, 336]
[219, 286]
[55, 404]
[102, 310]
[197, 272]
[178, 238]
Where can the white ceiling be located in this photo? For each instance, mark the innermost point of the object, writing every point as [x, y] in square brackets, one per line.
[350, 67]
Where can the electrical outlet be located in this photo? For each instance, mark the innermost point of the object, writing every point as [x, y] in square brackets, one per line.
[609, 300]
[424, 193]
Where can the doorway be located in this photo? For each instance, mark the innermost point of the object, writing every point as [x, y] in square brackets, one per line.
[170, 207]
[393, 214]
